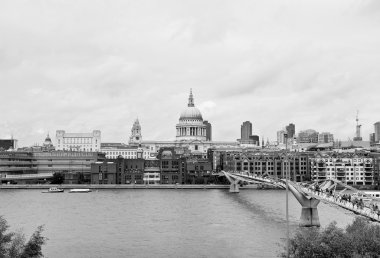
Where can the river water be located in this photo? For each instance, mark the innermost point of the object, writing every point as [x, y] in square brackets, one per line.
[159, 222]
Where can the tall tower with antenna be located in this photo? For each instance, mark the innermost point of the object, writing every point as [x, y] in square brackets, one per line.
[357, 134]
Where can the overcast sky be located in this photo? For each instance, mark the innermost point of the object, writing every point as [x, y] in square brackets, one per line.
[89, 64]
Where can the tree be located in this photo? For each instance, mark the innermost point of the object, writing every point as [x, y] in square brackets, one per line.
[34, 246]
[57, 178]
[81, 179]
[359, 239]
[13, 244]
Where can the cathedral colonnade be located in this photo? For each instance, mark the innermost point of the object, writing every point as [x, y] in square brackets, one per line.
[191, 131]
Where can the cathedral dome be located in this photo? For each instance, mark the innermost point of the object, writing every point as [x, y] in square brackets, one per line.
[47, 140]
[191, 113]
[191, 126]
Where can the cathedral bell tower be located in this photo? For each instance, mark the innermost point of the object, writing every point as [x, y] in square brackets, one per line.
[135, 138]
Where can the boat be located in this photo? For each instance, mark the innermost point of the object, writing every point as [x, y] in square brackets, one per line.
[84, 190]
[54, 190]
[373, 194]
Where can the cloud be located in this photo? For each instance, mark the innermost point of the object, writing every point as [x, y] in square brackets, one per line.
[99, 65]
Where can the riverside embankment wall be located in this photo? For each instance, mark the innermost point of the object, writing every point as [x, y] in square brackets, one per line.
[131, 186]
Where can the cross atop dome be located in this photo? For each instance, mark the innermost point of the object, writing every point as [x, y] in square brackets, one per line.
[191, 99]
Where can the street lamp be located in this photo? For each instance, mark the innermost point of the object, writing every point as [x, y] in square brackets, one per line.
[287, 195]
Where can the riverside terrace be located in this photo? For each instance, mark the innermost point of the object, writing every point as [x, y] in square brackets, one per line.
[38, 166]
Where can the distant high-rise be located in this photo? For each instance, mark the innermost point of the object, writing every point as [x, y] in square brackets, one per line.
[308, 136]
[246, 134]
[246, 130]
[325, 137]
[291, 130]
[281, 139]
[377, 132]
[371, 138]
[208, 131]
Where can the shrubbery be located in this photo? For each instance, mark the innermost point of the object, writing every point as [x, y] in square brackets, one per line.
[359, 239]
[13, 244]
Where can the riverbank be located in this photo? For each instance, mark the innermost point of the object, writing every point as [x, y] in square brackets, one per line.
[130, 186]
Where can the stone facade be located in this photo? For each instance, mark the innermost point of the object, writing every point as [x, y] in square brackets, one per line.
[78, 141]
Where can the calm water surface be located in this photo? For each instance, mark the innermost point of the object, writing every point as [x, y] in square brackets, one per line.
[159, 222]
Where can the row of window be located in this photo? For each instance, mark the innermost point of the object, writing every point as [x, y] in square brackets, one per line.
[77, 140]
[360, 173]
[344, 169]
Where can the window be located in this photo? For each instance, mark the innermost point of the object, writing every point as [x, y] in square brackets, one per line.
[165, 164]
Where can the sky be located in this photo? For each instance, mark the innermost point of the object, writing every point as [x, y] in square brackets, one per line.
[90, 65]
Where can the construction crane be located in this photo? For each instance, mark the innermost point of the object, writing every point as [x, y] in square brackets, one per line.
[357, 135]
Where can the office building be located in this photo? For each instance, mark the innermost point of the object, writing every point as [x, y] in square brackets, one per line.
[246, 130]
[377, 132]
[281, 139]
[208, 130]
[308, 136]
[371, 138]
[8, 144]
[325, 137]
[291, 130]
[39, 166]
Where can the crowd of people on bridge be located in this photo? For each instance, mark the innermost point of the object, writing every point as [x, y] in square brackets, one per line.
[355, 199]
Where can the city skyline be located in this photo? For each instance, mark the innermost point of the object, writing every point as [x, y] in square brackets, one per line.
[125, 60]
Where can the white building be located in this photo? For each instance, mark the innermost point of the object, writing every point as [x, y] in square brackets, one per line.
[114, 150]
[78, 141]
[354, 170]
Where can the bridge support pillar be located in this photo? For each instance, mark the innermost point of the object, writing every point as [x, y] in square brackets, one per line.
[234, 186]
[234, 183]
[309, 213]
[309, 217]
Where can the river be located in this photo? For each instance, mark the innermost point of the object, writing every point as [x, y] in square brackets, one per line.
[159, 222]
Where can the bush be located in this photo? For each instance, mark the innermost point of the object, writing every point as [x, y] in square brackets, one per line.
[359, 239]
[13, 244]
[57, 178]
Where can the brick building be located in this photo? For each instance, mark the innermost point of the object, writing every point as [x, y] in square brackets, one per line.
[262, 163]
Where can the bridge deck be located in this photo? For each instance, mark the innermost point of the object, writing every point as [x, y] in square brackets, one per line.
[365, 211]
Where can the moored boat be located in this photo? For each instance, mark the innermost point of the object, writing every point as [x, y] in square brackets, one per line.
[373, 194]
[54, 190]
[84, 190]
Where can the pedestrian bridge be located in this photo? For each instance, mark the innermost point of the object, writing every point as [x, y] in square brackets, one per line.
[310, 194]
